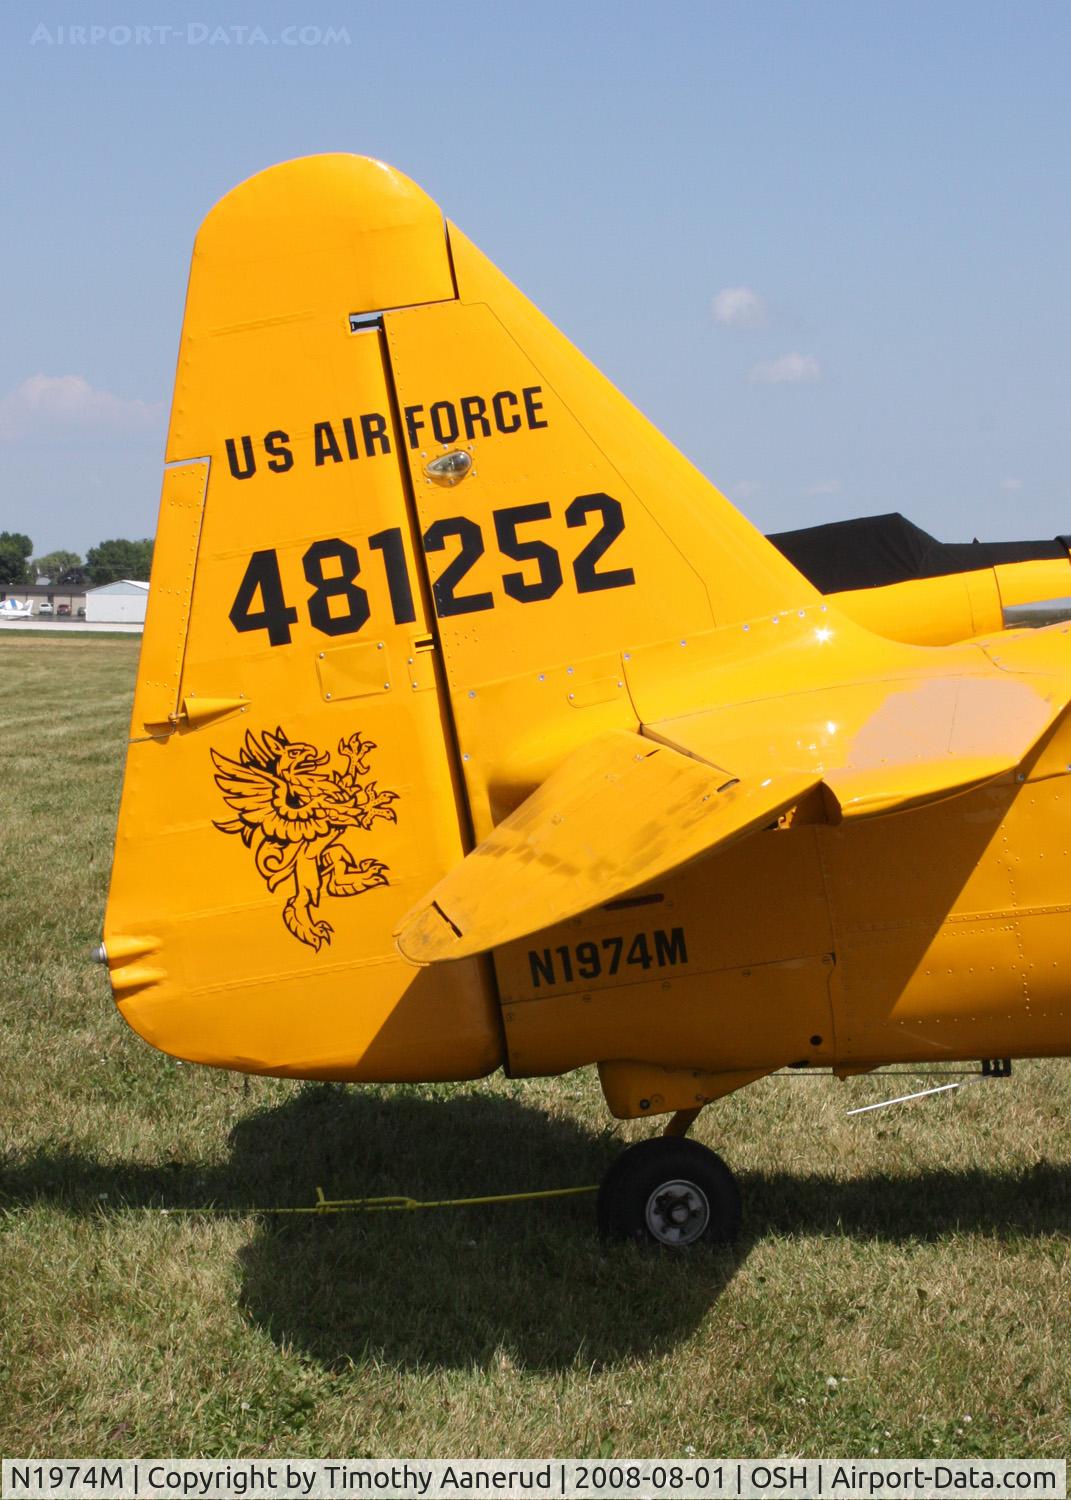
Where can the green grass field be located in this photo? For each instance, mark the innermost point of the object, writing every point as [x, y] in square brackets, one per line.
[901, 1288]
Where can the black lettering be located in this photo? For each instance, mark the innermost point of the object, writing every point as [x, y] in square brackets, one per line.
[281, 457]
[567, 963]
[550, 568]
[473, 410]
[401, 592]
[374, 431]
[615, 944]
[613, 524]
[531, 405]
[275, 615]
[247, 452]
[498, 401]
[670, 947]
[445, 432]
[640, 951]
[542, 967]
[588, 963]
[326, 444]
[338, 585]
[412, 425]
[351, 437]
[471, 538]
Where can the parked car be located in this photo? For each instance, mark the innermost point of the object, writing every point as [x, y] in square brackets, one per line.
[45, 608]
[63, 609]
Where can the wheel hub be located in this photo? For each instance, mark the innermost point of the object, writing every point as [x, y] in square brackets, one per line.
[678, 1213]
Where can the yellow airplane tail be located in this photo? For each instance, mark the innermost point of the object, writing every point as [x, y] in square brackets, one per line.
[452, 664]
[407, 538]
[414, 555]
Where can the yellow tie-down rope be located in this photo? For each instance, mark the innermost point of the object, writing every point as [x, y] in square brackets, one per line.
[384, 1205]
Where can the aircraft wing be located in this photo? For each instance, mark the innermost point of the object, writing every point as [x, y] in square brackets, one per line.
[627, 808]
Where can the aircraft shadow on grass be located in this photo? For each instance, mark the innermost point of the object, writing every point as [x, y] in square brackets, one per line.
[526, 1284]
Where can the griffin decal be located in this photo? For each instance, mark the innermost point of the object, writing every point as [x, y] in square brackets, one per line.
[295, 815]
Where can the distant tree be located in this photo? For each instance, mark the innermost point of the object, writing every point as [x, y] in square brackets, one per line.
[14, 550]
[74, 578]
[119, 558]
[54, 564]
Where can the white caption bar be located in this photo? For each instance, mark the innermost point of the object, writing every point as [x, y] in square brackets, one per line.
[521, 1479]
[527, 1479]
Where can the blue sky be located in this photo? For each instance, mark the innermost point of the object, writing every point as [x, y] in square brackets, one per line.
[824, 246]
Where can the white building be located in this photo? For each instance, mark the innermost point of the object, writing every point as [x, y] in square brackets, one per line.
[122, 602]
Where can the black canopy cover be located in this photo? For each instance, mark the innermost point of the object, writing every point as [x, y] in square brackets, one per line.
[873, 551]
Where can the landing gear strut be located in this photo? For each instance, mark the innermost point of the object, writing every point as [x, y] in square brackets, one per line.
[672, 1192]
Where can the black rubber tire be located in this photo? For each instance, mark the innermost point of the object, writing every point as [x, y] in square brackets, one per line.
[669, 1192]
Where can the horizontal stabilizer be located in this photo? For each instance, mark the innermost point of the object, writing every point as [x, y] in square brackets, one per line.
[618, 813]
[882, 746]
[628, 808]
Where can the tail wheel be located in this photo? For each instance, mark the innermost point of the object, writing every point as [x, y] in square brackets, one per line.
[669, 1192]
